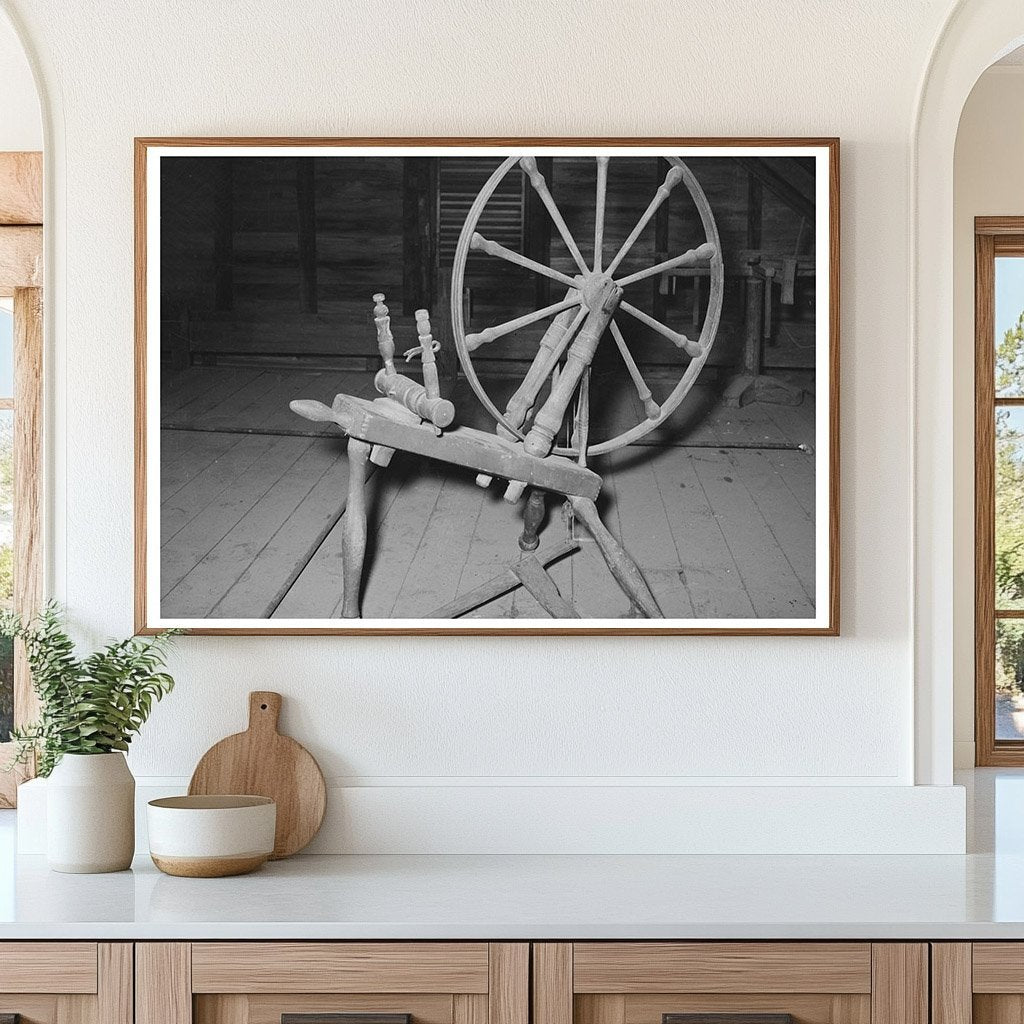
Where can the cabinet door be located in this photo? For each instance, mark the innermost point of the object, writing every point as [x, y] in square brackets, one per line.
[332, 983]
[980, 982]
[65, 983]
[730, 983]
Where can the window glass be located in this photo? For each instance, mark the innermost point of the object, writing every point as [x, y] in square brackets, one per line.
[1009, 327]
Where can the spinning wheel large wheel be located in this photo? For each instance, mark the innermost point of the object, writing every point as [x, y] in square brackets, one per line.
[580, 321]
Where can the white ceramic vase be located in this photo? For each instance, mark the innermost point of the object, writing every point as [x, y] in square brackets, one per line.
[90, 814]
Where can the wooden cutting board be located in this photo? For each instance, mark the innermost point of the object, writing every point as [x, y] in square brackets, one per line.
[262, 762]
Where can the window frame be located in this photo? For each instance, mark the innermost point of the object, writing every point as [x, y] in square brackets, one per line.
[21, 263]
[993, 237]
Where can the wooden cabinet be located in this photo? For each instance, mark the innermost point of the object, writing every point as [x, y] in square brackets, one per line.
[66, 982]
[754, 982]
[262, 982]
[494, 983]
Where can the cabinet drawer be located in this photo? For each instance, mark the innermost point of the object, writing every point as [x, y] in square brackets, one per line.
[730, 983]
[340, 967]
[633, 967]
[332, 983]
[66, 982]
[66, 967]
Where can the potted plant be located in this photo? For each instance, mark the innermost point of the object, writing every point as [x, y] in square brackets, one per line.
[89, 710]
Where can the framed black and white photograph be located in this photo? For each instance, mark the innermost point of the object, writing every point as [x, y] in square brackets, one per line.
[487, 385]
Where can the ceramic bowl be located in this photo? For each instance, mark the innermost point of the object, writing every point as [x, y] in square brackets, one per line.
[211, 836]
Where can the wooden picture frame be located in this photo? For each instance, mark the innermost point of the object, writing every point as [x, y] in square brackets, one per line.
[821, 269]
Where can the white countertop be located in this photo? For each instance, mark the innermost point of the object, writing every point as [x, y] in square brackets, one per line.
[977, 896]
[496, 897]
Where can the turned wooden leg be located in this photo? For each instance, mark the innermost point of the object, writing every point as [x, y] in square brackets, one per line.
[532, 518]
[622, 567]
[353, 528]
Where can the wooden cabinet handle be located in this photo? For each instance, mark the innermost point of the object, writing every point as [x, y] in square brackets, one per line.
[727, 1018]
[337, 1018]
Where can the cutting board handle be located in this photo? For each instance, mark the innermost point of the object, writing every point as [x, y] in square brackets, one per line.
[264, 710]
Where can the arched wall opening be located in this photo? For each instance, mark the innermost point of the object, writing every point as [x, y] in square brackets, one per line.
[976, 34]
[987, 182]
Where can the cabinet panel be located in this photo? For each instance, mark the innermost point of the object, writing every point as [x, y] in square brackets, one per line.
[66, 967]
[219, 967]
[634, 967]
[998, 967]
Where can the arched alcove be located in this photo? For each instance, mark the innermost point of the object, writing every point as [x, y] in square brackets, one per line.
[975, 35]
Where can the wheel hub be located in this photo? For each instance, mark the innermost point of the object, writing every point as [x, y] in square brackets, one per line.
[597, 290]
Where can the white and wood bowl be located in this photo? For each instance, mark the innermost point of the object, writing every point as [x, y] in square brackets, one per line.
[211, 836]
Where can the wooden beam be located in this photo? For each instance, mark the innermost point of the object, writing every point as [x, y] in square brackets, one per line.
[305, 188]
[537, 230]
[419, 220]
[755, 211]
[774, 182]
[21, 188]
[21, 258]
[224, 234]
[661, 223]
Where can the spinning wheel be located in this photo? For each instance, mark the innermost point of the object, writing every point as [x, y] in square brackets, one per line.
[414, 417]
[594, 298]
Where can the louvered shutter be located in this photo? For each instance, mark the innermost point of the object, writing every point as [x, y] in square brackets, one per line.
[461, 178]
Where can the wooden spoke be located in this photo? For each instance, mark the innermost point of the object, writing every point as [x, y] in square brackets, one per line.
[540, 186]
[481, 244]
[474, 341]
[692, 256]
[691, 348]
[651, 407]
[674, 176]
[602, 191]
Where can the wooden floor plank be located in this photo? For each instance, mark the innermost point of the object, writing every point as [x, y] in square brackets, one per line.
[185, 387]
[209, 580]
[319, 589]
[790, 524]
[706, 566]
[243, 409]
[397, 538]
[184, 454]
[671, 594]
[211, 524]
[272, 573]
[797, 471]
[206, 391]
[642, 524]
[795, 421]
[494, 544]
[433, 577]
[240, 461]
[768, 579]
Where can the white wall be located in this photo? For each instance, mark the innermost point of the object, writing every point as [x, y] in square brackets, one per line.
[21, 126]
[464, 711]
[988, 180]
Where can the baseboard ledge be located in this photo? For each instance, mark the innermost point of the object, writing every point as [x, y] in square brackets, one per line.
[682, 819]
